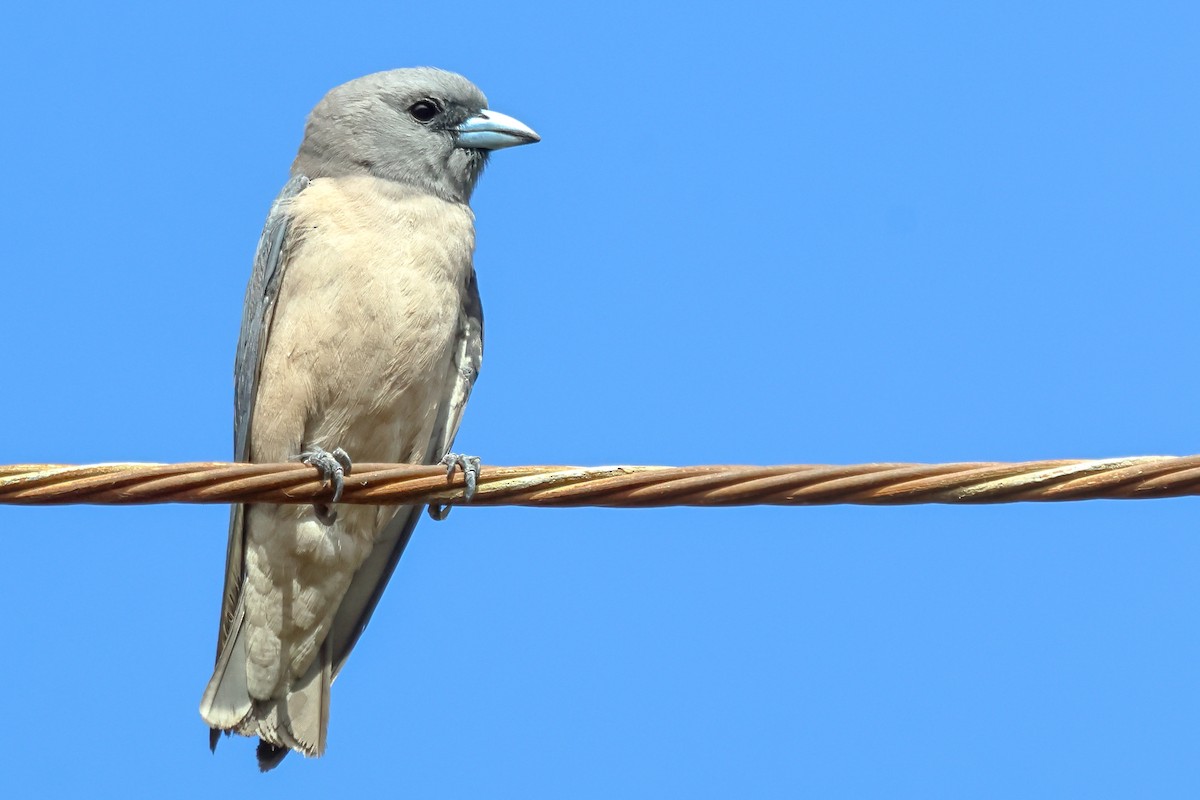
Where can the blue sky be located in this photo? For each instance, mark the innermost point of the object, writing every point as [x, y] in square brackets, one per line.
[841, 233]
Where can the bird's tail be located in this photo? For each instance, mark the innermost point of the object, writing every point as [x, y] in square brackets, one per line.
[226, 703]
[296, 719]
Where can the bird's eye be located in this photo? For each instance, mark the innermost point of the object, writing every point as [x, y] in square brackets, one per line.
[424, 110]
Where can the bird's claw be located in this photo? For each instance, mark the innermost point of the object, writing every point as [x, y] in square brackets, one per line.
[333, 467]
[470, 467]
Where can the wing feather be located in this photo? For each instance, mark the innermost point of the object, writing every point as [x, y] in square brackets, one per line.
[259, 306]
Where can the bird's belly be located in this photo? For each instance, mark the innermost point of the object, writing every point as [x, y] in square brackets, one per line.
[378, 366]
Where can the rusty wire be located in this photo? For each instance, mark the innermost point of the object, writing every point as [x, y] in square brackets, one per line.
[1139, 477]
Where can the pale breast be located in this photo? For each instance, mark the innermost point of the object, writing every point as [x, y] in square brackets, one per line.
[366, 320]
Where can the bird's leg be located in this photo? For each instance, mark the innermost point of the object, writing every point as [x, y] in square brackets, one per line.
[333, 467]
[470, 468]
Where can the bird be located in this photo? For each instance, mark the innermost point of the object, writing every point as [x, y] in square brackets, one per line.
[361, 338]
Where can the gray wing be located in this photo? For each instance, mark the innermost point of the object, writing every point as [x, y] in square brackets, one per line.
[256, 323]
[369, 582]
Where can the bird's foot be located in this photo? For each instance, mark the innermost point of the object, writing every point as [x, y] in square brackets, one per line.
[333, 467]
[470, 468]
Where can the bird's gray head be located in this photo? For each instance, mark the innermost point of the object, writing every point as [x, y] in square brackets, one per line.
[423, 127]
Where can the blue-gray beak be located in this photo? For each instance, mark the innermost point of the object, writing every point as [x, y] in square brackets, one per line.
[491, 130]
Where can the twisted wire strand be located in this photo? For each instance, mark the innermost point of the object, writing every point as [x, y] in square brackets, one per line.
[1138, 477]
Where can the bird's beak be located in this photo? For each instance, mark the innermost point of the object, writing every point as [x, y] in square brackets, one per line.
[491, 130]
